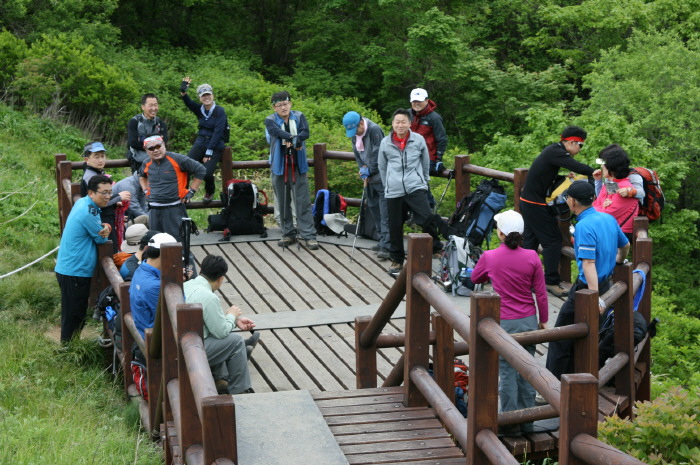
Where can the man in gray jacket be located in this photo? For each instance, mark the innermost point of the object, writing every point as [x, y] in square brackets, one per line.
[366, 137]
[403, 165]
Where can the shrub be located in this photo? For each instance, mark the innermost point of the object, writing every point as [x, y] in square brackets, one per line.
[665, 431]
[12, 51]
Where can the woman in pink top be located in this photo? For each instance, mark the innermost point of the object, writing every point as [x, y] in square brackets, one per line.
[617, 194]
[514, 273]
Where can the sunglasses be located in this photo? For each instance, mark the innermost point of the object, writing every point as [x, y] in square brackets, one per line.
[580, 144]
[155, 147]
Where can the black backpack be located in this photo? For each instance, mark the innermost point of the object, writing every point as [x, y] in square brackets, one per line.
[108, 306]
[243, 211]
[606, 335]
[473, 217]
[327, 202]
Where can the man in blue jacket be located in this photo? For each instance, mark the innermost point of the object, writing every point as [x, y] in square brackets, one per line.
[366, 137]
[77, 254]
[287, 131]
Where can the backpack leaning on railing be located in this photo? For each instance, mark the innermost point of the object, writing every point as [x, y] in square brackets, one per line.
[457, 260]
[243, 210]
[654, 199]
[327, 202]
[474, 215]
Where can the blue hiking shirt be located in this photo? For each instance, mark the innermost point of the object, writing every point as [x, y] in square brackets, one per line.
[597, 237]
[77, 253]
[143, 296]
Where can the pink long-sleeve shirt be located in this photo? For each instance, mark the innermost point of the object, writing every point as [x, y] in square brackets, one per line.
[514, 273]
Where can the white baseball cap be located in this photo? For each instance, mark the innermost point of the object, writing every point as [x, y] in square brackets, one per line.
[160, 239]
[510, 221]
[419, 95]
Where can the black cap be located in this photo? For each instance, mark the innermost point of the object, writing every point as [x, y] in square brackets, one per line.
[147, 237]
[573, 132]
[582, 191]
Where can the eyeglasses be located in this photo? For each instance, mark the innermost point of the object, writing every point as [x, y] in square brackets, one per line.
[580, 144]
[105, 193]
[155, 147]
[282, 104]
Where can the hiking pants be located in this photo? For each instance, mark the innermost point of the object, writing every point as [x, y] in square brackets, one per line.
[417, 202]
[228, 360]
[560, 354]
[75, 292]
[167, 219]
[299, 189]
[516, 393]
[197, 153]
[542, 228]
[378, 209]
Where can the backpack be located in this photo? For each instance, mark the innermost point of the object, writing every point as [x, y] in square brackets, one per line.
[654, 199]
[327, 202]
[461, 384]
[457, 260]
[367, 227]
[473, 217]
[243, 210]
[606, 335]
[108, 307]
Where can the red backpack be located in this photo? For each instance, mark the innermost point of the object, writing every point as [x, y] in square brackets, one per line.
[654, 199]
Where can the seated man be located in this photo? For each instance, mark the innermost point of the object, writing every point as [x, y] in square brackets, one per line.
[224, 349]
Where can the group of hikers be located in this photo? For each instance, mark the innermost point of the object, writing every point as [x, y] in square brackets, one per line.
[395, 171]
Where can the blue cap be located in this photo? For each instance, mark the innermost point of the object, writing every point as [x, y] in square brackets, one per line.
[93, 147]
[351, 120]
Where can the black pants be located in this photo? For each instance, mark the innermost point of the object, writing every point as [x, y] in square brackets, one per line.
[560, 358]
[75, 292]
[417, 202]
[197, 152]
[542, 228]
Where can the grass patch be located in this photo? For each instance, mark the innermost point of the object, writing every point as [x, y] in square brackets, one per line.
[61, 407]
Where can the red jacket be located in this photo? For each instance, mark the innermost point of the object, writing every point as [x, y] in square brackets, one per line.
[428, 124]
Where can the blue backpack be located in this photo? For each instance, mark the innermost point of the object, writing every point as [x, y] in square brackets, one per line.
[473, 217]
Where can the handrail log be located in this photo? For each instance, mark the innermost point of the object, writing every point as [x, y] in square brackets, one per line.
[385, 311]
[67, 188]
[446, 410]
[197, 365]
[514, 417]
[336, 155]
[195, 454]
[594, 451]
[439, 301]
[520, 359]
[493, 448]
[488, 172]
[173, 298]
[397, 340]
[129, 322]
[115, 163]
[173, 388]
[612, 367]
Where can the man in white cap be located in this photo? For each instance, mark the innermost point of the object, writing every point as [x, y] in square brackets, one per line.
[145, 284]
[366, 136]
[164, 178]
[428, 123]
[212, 132]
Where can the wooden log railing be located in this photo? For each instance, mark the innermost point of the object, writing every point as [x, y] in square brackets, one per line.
[487, 340]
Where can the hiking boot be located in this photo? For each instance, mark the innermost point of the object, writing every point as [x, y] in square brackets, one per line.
[374, 248]
[557, 290]
[221, 386]
[286, 241]
[312, 244]
[383, 254]
[207, 198]
[395, 268]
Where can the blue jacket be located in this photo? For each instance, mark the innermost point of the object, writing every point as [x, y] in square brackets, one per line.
[274, 135]
[211, 129]
[143, 296]
[77, 253]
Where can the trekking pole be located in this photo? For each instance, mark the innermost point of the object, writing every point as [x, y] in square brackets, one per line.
[283, 209]
[185, 231]
[449, 179]
[359, 219]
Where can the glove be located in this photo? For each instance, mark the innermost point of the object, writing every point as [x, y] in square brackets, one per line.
[439, 167]
[431, 168]
[189, 195]
[209, 153]
[364, 172]
[183, 86]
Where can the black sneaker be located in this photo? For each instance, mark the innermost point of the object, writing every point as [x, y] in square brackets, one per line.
[207, 199]
[383, 254]
[395, 268]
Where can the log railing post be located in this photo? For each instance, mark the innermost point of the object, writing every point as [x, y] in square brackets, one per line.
[420, 256]
[462, 178]
[65, 173]
[483, 366]
[219, 440]
[59, 157]
[127, 338]
[189, 320]
[443, 356]
[320, 167]
[624, 337]
[586, 349]
[579, 413]
[154, 370]
[365, 357]
[226, 167]
[519, 177]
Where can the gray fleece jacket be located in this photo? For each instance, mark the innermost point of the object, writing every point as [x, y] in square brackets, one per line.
[404, 171]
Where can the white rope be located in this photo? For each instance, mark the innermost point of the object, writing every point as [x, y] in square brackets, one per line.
[20, 216]
[28, 264]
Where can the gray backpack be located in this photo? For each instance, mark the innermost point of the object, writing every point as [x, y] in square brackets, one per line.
[457, 261]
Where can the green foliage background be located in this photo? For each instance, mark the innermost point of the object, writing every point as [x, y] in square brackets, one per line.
[507, 77]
